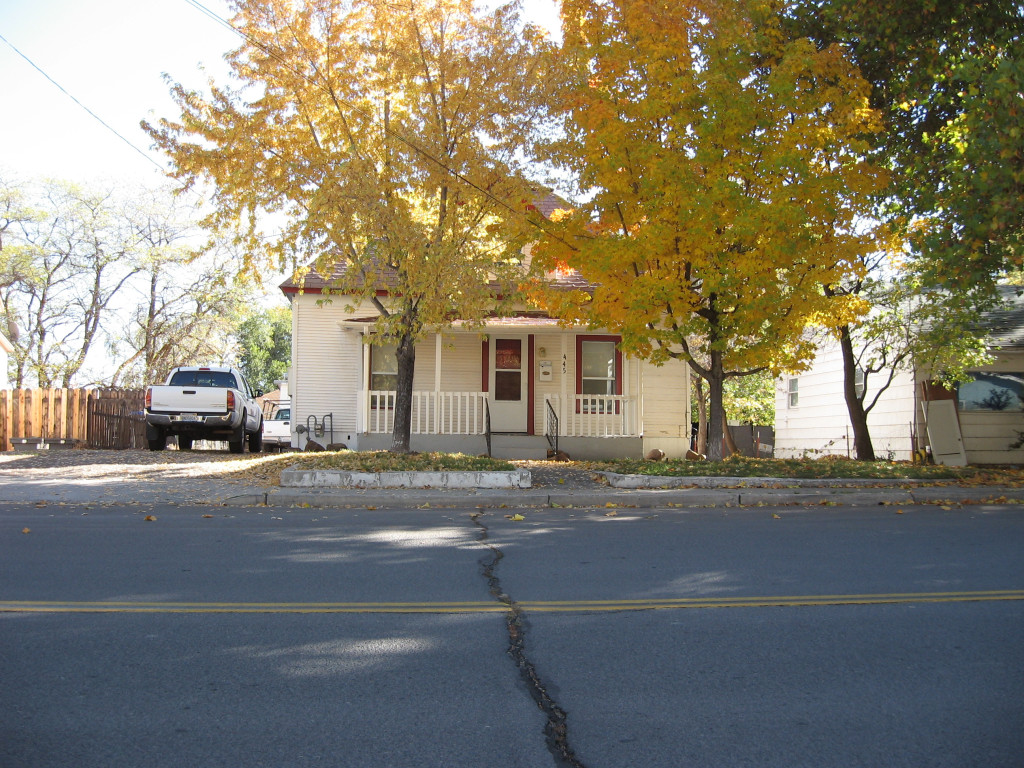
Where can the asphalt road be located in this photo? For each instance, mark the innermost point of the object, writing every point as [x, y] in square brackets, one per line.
[213, 636]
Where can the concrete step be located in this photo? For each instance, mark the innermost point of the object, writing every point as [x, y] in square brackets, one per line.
[510, 445]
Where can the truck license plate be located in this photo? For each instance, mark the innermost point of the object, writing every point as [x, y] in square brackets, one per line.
[190, 417]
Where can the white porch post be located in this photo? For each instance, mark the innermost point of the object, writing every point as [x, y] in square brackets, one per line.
[438, 416]
[640, 398]
[364, 415]
[437, 362]
[627, 416]
[563, 401]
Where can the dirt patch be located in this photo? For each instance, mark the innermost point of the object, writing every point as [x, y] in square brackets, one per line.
[251, 469]
[257, 470]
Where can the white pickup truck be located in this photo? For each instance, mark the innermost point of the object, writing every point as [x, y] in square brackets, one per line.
[204, 403]
[277, 425]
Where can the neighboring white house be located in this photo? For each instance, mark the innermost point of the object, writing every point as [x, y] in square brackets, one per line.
[986, 414]
[811, 417]
[6, 349]
[515, 387]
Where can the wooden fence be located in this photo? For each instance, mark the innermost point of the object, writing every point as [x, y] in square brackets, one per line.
[97, 418]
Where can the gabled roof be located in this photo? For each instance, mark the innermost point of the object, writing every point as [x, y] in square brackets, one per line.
[517, 319]
[386, 278]
[1005, 325]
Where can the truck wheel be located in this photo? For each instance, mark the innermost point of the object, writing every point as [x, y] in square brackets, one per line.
[184, 442]
[256, 440]
[237, 442]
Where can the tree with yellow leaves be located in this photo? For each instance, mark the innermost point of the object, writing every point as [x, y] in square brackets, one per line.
[382, 136]
[727, 179]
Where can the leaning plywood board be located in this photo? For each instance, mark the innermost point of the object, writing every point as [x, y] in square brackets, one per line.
[944, 433]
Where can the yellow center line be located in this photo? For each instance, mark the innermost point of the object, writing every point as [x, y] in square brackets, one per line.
[542, 606]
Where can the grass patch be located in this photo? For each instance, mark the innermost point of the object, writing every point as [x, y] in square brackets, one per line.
[824, 468]
[384, 461]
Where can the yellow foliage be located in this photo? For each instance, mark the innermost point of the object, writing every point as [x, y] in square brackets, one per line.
[374, 134]
[730, 176]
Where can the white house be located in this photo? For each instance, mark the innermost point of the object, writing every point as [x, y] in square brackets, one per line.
[976, 424]
[6, 350]
[515, 388]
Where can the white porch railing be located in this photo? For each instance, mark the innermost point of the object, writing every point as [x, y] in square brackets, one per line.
[596, 415]
[433, 413]
[464, 413]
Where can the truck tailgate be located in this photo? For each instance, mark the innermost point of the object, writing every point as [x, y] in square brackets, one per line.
[189, 399]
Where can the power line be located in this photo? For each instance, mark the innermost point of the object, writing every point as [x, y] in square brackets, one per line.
[80, 104]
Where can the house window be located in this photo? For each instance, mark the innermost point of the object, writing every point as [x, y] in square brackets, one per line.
[992, 391]
[383, 372]
[508, 369]
[598, 371]
[794, 393]
[597, 361]
[859, 381]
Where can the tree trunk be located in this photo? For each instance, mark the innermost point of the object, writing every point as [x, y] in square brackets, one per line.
[702, 416]
[730, 443]
[716, 419]
[406, 354]
[863, 448]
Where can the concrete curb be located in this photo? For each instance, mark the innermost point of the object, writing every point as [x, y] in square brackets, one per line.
[683, 498]
[617, 480]
[336, 478]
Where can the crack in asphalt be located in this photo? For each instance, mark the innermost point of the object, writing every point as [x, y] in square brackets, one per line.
[556, 730]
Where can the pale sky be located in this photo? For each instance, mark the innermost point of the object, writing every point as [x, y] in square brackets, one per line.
[110, 55]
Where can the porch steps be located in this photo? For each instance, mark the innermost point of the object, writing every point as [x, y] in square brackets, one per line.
[513, 445]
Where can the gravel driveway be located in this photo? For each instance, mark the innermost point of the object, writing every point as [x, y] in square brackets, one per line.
[194, 477]
[133, 476]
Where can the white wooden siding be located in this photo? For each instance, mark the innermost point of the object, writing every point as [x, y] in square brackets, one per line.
[460, 362]
[327, 364]
[426, 370]
[820, 424]
[666, 401]
[987, 435]
[551, 343]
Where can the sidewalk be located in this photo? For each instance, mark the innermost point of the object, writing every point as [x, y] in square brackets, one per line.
[197, 478]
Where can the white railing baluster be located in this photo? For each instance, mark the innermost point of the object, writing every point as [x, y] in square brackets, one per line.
[462, 413]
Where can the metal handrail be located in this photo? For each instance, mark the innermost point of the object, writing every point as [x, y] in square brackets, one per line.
[487, 426]
[551, 426]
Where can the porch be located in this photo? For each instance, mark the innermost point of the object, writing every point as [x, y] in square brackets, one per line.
[585, 426]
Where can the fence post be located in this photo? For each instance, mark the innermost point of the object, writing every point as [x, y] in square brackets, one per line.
[46, 413]
[31, 402]
[60, 411]
[5, 420]
[87, 419]
[81, 418]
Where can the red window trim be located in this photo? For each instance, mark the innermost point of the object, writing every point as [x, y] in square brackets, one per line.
[580, 338]
[531, 366]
